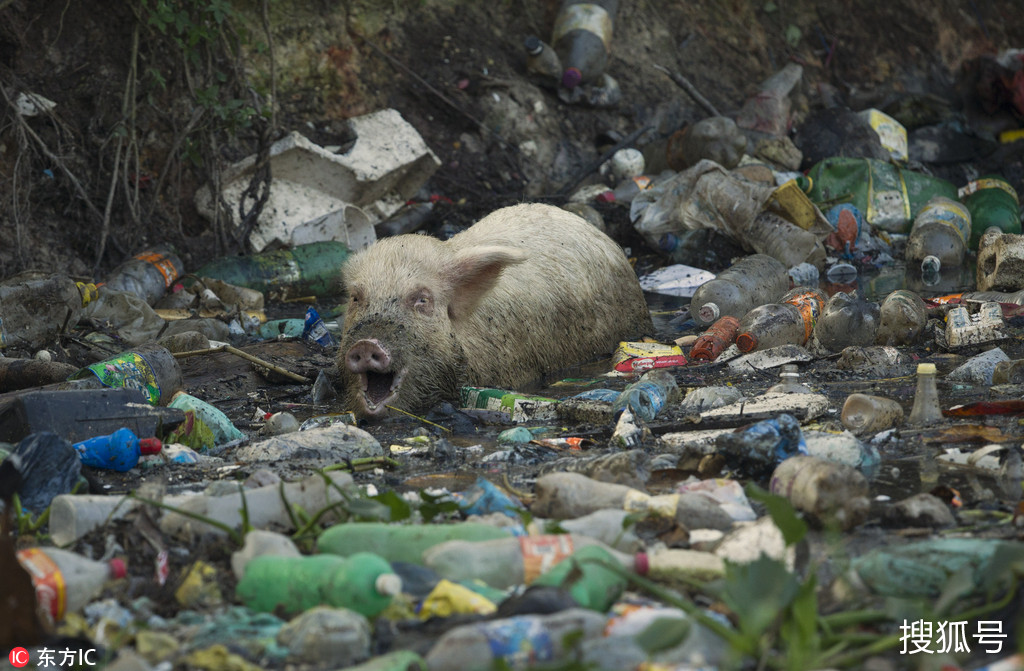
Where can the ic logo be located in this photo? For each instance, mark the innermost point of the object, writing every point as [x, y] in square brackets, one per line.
[19, 657]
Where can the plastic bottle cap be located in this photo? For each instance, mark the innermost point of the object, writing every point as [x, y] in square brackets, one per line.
[641, 563]
[606, 197]
[709, 312]
[571, 78]
[150, 446]
[118, 569]
[746, 342]
[388, 584]
[532, 45]
[926, 368]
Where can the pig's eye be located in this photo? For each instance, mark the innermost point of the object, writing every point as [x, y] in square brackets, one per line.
[422, 301]
[356, 296]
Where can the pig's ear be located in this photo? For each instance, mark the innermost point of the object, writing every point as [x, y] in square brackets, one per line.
[473, 272]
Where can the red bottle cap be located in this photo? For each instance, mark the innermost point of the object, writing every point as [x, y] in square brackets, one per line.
[571, 78]
[746, 342]
[150, 446]
[606, 197]
[641, 564]
[118, 569]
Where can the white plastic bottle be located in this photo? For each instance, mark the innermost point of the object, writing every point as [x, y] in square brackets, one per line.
[66, 582]
[755, 280]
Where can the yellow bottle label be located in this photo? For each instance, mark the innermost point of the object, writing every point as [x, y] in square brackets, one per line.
[584, 16]
[51, 590]
[987, 183]
[663, 506]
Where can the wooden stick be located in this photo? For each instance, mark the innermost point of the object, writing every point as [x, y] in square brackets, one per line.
[248, 357]
[684, 83]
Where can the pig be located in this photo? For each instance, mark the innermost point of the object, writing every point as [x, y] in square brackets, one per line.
[525, 291]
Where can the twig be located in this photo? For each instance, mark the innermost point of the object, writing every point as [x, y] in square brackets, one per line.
[684, 83]
[595, 164]
[425, 421]
[248, 357]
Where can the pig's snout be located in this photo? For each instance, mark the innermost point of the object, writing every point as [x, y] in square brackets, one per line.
[367, 356]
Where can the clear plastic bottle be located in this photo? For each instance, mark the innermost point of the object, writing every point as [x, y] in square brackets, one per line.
[119, 451]
[832, 492]
[768, 110]
[521, 642]
[363, 582]
[36, 307]
[1009, 372]
[66, 582]
[716, 138]
[148, 274]
[754, 280]
[542, 63]
[902, 318]
[941, 229]
[626, 190]
[790, 321]
[511, 561]
[648, 395]
[864, 414]
[926, 408]
[790, 382]
[713, 342]
[846, 320]
[781, 239]
[582, 38]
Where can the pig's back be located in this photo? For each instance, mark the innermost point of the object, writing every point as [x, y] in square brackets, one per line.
[573, 298]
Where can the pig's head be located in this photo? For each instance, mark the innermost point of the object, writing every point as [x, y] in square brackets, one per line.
[408, 297]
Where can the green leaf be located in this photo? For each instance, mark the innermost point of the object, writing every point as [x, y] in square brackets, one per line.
[959, 585]
[793, 35]
[433, 506]
[758, 592]
[782, 513]
[663, 633]
[800, 628]
[368, 510]
[399, 509]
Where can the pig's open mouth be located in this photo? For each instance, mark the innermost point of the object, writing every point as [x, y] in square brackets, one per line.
[380, 388]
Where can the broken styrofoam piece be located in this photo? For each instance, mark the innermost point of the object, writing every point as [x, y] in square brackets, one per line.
[33, 104]
[675, 280]
[315, 192]
[1000, 262]
[964, 328]
[769, 358]
[801, 406]
[979, 369]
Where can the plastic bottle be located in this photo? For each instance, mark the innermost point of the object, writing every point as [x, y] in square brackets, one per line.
[150, 369]
[713, 342]
[648, 395]
[303, 270]
[363, 582]
[148, 274]
[511, 561]
[680, 566]
[1009, 372]
[768, 110]
[864, 414]
[941, 229]
[261, 543]
[66, 582]
[846, 320]
[582, 37]
[926, 408]
[992, 202]
[626, 190]
[120, 451]
[572, 495]
[757, 448]
[1016, 297]
[804, 275]
[315, 331]
[35, 308]
[521, 642]
[542, 63]
[781, 239]
[831, 492]
[790, 382]
[409, 219]
[611, 527]
[219, 423]
[591, 585]
[400, 542]
[752, 281]
[790, 321]
[716, 138]
[901, 319]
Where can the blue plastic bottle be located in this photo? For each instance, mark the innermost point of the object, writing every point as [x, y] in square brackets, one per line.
[648, 395]
[120, 451]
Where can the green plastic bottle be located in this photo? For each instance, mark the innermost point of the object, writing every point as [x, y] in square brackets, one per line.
[362, 582]
[591, 585]
[399, 660]
[303, 270]
[992, 202]
[400, 542]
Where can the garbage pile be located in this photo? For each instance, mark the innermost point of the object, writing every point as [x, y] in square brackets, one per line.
[815, 462]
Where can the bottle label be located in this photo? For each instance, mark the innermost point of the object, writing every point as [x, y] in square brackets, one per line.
[809, 304]
[540, 553]
[162, 264]
[945, 212]
[129, 370]
[663, 506]
[51, 590]
[584, 16]
[519, 642]
[987, 183]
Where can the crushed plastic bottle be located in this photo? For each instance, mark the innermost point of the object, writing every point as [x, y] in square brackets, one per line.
[757, 448]
[830, 491]
[149, 274]
[864, 414]
[901, 319]
[754, 280]
[648, 395]
[846, 320]
[790, 321]
[34, 308]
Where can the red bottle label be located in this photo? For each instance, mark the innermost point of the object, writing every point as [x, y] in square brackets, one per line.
[51, 590]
